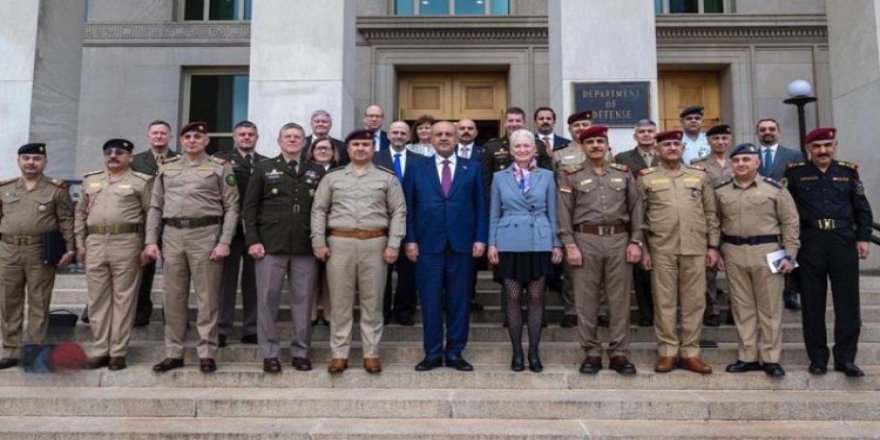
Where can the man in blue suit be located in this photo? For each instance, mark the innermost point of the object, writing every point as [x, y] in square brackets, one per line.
[401, 306]
[545, 121]
[447, 227]
[374, 119]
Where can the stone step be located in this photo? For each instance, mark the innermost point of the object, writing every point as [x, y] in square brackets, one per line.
[403, 376]
[441, 403]
[552, 353]
[213, 428]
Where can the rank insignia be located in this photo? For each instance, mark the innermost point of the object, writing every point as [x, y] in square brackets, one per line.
[565, 189]
[274, 191]
[860, 189]
[231, 180]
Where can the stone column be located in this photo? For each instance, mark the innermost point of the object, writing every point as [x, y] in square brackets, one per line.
[41, 43]
[587, 45]
[854, 40]
[302, 59]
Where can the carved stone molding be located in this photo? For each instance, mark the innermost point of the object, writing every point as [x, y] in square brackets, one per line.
[167, 34]
[746, 29]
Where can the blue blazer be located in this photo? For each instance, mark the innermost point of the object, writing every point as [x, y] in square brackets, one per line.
[384, 142]
[523, 222]
[781, 159]
[435, 222]
[385, 159]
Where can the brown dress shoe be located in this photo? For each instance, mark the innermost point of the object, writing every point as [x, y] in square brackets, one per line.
[665, 364]
[337, 365]
[117, 363]
[695, 364]
[373, 365]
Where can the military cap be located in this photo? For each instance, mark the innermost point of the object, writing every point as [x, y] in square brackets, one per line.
[745, 148]
[718, 129]
[124, 144]
[582, 116]
[594, 131]
[822, 134]
[200, 127]
[671, 135]
[33, 148]
[694, 109]
[364, 135]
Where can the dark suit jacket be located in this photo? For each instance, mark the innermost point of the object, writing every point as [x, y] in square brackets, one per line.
[558, 141]
[241, 168]
[476, 154]
[144, 162]
[634, 161]
[337, 144]
[385, 159]
[434, 221]
[384, 142]
[781, 159]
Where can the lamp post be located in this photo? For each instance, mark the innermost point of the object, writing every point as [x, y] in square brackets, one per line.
[800, 94]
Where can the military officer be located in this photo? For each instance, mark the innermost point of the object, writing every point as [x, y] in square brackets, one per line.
[358, 221]
[109, 239]
[242, 158]
[835, 233]
[277, 212]
[600, 224]
[30, 206]
[719, 171]
[694, 142]
[194, 206]
[497, 155]
[682, 236]
[757, 217]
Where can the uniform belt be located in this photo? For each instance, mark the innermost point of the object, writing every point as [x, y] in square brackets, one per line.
[191, 222]
[751, 241]
[601, 229]
[360, 234]
[120, 228]
[22, 240]
[827, 224]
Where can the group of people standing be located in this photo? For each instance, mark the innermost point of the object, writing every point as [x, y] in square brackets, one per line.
[332, 217]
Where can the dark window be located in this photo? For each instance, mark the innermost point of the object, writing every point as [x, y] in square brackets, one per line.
[220, 101]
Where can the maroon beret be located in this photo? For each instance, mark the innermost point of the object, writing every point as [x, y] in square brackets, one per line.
[594, 131]
[364, 135]
[200, 127]
[822, 134]
[582, 116]
[671, 135]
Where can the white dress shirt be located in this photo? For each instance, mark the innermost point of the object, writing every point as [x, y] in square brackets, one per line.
[438, 160]
[470, 150]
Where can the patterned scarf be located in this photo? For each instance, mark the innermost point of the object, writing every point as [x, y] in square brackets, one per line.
[523, 176]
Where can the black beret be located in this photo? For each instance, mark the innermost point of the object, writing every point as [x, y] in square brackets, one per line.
[744, 149]
[582, 116]
[33, 148]
[698, 109]
[124, 144]
[200, 127]
[365, 135]
[718, 129]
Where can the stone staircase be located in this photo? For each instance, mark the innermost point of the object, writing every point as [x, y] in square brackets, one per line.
[239, 401]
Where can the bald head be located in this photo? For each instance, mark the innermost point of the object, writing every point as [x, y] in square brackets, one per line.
[374, 117]
[398, 135]
[444, 138]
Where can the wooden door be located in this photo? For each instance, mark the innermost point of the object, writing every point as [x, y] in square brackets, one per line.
[477, 96]
[683, 89]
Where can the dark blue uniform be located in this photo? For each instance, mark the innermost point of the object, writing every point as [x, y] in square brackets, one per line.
[834, 214]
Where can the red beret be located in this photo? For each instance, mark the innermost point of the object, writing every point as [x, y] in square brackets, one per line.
[821, 134]
[593, 131]
[582, 116]
[671, 135]
[365, 135]
[200, 127]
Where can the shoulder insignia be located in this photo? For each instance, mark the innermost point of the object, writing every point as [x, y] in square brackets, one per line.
[216, 160]
[699, 160]
[385, 169]
[92, 173]
[774, 182]
[696, 167]
[851, 165]
[565, 189]
[620, 167]
[8, 181]
[141, 175]
[58, 182]
[646, 171]
[796, 164]
[725, 183]
[572, 169]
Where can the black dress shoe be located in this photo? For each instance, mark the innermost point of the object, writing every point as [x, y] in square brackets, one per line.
[712, 320]
[168, 364]
[459, 364]
[604, 321]
[792, 302]
[271, 366]
[406, 320]
[742, 367]
[591, 365]
[645, 322]
[429, 364]
[849, 369]
[98, 362]
[117, 363]
[774, 370]
[517, 363]
[249, 339]
[207, 365]
[301, 364]
[221, 341]
[622, 365]
[8, 363]
[535, 365]
[817, 368]
[568, 321]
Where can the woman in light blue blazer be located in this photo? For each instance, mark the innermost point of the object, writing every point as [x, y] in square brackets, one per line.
[522, 241]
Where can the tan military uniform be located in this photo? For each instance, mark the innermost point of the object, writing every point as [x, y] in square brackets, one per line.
[110, 227]
[564, 159]
[195, 206]
[717, 175]
[357, 216]
[601, 213]
[26, 214]
[680, 222]
[762, 208]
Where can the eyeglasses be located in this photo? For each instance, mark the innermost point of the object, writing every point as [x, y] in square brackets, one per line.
[115, 152]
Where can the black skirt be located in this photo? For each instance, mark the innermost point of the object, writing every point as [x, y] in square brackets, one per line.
[523, 267]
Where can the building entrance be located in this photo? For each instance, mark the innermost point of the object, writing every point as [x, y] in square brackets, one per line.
[678, 90]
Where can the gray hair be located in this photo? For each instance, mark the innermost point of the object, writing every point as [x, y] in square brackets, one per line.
[320, 113]
[522, 133]
[291, 126]
[645, 123]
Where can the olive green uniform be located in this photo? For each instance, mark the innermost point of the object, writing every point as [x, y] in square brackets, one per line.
[763, 208]
[717, 175]
[194, 206]
[680, 224]
[370, 204]
[25, 215]
[109, 225]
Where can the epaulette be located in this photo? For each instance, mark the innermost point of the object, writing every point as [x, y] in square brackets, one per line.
[58, 182]
[796, 164]
[380, 167]
[141, 175]
[572, 169]
[696, 167]
[774, 182]
[172, 159]
[646, 171]
[698, 160]
[8, 181]
[851, 165]
[726, 182]
[92, 173]
[620, 167]
[218, 160]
